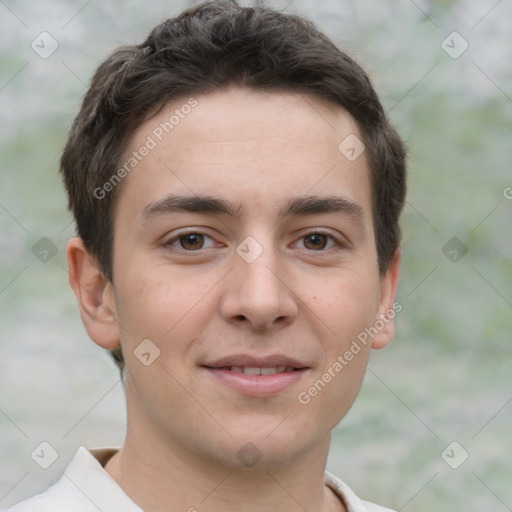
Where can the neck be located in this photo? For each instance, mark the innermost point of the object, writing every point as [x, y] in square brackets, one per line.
[160, 475]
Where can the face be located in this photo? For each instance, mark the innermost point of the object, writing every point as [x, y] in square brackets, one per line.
[244, 251]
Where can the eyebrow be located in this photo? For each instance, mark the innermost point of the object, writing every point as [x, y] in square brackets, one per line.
[296, 206]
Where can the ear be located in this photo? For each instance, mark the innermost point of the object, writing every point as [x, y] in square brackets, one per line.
[388, 308]
[95, 295]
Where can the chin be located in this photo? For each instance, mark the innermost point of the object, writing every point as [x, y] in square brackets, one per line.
[263, 443]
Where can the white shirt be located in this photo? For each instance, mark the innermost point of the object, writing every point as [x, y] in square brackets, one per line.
[85, 486]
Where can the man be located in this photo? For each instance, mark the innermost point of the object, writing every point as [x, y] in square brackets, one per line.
[237, 192]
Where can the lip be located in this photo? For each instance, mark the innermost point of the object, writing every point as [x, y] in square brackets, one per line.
[256, 385]
[247, 360]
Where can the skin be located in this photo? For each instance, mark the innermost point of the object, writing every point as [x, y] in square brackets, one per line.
[198, 300]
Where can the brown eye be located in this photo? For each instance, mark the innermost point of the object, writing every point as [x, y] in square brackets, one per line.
[191, 241]
[316, 241]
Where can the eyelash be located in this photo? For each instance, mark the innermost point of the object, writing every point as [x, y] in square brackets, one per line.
[177, 237]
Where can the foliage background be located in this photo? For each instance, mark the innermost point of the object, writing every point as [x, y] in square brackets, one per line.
[446, 377]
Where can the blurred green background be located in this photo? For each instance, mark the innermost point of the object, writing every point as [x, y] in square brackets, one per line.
[446, 377]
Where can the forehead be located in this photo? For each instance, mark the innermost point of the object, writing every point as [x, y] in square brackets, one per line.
[250, 116]
[260, 146]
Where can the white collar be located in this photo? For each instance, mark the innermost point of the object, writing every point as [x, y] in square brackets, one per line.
[86, 486]
[86, 473]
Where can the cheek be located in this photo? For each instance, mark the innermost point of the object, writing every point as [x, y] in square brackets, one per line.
[333, 388]
[168, 309]
[347, 307]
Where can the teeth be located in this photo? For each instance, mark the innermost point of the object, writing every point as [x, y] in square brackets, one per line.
[248, 370]
[272, 370]
[252, 371]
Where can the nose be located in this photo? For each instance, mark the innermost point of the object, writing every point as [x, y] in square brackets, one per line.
[258, 293]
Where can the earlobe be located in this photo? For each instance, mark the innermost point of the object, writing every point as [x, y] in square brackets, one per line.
[94, 293]
[388, 308]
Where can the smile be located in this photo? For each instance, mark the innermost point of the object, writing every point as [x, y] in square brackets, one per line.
[264, 381]
[252, 370]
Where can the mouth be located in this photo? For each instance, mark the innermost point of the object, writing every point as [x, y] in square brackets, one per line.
[257, 376]
[255, 370]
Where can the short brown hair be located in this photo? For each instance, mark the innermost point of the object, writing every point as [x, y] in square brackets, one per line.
[213, 46]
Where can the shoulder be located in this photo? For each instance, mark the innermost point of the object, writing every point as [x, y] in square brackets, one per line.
[83, 487]
[62, 496]
[371, 507]
[50, 500]
[349, 498]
